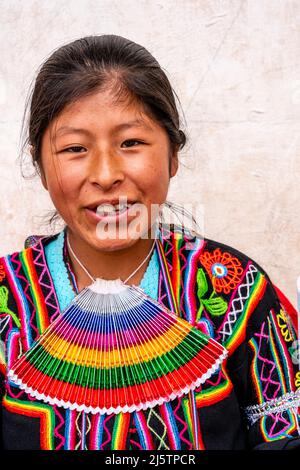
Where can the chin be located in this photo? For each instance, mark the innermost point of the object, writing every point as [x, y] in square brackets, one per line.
[110, 245]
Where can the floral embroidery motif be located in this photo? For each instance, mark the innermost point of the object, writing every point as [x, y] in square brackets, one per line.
[224, 270]
[214, 304]
[2, 273]
[219, 270]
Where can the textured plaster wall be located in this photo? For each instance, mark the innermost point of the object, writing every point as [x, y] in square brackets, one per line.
[235, 66]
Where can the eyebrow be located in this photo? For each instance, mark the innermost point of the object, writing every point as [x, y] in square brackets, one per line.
[125, 125]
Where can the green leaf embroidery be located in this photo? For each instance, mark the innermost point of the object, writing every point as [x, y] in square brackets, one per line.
[3, 305]
[202, 283]
[215, 304]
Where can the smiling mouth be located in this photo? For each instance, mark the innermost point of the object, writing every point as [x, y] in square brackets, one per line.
[109, 213]
[105, 210]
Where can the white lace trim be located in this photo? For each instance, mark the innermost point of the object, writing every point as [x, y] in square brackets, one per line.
[277, 405]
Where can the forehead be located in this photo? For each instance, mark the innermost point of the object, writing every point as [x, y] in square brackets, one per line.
[136, 123]
[102, 109]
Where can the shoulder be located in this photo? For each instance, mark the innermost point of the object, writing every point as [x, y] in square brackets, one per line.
[224, 273]
[229, 268]
[213, 254]
[234, 292]
[14, 267]
[20, 275]
[228, 255]
[31, 241]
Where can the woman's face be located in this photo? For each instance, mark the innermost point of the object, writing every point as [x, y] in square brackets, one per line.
[106, 152]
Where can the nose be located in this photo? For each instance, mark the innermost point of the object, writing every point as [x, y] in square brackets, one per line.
[106, 170]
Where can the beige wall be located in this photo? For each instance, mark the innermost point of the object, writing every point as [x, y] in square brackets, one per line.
[235, 66]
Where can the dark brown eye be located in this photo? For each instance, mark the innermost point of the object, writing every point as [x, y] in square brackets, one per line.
[76, 149]
[131, 142]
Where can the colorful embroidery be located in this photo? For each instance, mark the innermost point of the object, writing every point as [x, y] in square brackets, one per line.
[224, 270]
[278, 405]
[213, 304]
[277, 426]
[280, 348]
[263, 368]
[2, 272]
[216, 389]
[242, 305]
[191, 263]
[185, 288]
[143, 432]
[3, 305]
[35, 410]
[272, 375]
[158, 429]
[285, 326]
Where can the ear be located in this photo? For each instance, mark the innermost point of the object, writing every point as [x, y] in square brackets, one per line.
[43, 178]
[174, 164]
[44, 181]
[40, 168]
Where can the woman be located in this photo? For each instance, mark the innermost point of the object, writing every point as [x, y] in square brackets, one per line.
[104, 136]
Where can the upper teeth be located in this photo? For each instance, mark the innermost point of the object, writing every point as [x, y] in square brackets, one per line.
[108, 208]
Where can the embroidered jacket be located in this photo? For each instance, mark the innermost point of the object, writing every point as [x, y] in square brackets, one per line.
[250, 402]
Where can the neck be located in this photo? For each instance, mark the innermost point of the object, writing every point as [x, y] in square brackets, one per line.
[110, 265]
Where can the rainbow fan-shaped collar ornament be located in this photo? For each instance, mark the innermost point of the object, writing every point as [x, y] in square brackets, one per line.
[115, 349]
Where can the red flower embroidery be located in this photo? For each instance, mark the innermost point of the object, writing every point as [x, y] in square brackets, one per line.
[224, 270]
[2, 273]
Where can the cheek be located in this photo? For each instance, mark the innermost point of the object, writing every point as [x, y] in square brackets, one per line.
[151, 171]
[155, 181]
[65, 180]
